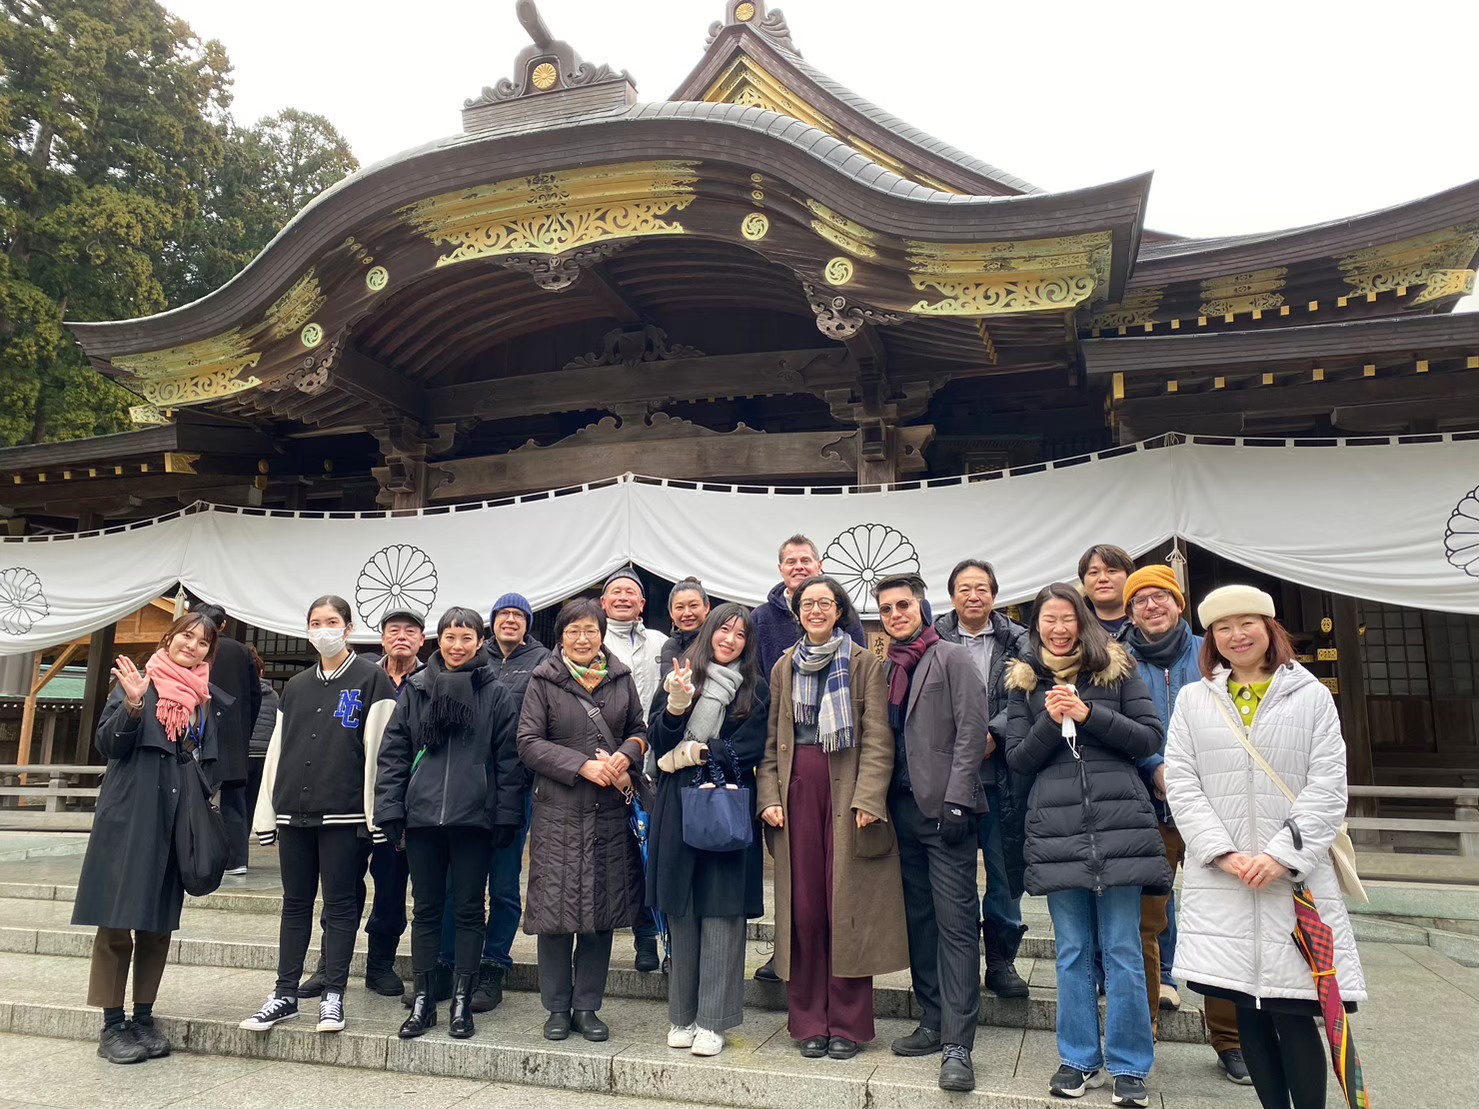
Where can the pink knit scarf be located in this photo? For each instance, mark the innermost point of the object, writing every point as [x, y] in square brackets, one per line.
[180, 692]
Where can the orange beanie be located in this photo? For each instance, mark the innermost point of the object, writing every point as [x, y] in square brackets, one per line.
[1154, 576]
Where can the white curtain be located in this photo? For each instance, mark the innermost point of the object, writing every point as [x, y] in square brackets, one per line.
[1393, 521]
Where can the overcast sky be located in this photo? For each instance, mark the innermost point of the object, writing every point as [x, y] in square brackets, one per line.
[1254, 115]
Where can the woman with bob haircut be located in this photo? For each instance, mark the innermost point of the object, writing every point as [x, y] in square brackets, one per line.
[710, 715]
[451, 784]
[822, 791]
[1080, 719]
[582, 730]
[154, 724]
[1235, 937]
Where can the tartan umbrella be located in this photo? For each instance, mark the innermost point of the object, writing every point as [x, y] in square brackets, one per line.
[1316, 942]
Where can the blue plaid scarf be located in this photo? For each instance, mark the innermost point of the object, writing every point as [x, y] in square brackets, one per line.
[830, 707]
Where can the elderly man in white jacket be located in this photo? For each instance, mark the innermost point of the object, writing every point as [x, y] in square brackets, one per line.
[1237, 908]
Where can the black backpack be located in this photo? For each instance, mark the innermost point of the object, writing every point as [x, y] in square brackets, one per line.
[200, 835]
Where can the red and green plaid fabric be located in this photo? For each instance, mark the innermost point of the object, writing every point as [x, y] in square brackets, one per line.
[1316, 942]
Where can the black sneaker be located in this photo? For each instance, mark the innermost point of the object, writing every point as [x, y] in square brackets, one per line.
[331, 1012]
[1072, 1082]
[647, 960]
[118, 1045]
[956, 1072]
[1233, 1066]
[277, 1010]
[1129, 1090]
[489, 992]
[922, 1041]
[150, 1038]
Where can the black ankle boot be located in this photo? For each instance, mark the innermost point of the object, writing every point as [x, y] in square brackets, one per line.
[1000, 946]
[313, 985]
[423, 1016]
[380, 975]
[489, 992]
[459, 1023]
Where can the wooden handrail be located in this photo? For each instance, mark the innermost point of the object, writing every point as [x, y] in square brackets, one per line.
[1417, 793]
[45, 768]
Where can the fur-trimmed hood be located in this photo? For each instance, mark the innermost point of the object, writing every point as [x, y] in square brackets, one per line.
[1023, 675]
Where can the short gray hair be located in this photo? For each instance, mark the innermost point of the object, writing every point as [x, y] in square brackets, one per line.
[797, 540]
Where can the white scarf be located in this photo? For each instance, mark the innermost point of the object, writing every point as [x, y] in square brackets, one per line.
[706, 717]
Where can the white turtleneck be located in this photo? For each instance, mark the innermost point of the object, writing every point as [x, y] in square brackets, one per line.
[641, 649]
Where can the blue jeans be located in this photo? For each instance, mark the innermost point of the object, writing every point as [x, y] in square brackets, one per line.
[1129, 1047]
[505, 906]
[998, 905]
[1168, 942]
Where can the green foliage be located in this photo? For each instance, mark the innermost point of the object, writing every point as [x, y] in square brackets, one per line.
[125, 187]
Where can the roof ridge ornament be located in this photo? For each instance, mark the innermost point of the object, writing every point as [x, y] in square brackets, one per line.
[548, 65]
[753, 14]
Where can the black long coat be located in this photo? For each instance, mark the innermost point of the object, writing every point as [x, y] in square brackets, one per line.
[585, 866]
[686, 882]
[234, 673]
[1090, 824]
[129, 875]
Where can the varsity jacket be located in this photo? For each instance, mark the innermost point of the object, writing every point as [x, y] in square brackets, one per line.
[320, 766]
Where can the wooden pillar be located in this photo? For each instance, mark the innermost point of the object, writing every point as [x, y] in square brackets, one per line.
[878, 456]
[39, 681]
[1354, 722]
[95, 691]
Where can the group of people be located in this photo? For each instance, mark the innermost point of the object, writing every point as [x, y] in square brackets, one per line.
[1085, 756]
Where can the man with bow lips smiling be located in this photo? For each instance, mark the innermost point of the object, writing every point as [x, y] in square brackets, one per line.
[937, 710]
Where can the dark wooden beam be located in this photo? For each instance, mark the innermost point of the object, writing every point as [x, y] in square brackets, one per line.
[367, 380]
[95, 688]
[1459, 390]
[601, 287]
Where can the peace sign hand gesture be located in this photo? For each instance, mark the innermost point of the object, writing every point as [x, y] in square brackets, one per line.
[679, 685]
[134, 684]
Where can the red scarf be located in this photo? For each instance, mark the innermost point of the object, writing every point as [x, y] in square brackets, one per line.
[180, 692]
[905, 657]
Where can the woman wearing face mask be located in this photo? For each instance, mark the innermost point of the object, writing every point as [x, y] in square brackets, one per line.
[822, 791]
[711, 713]
[318, 791]
[153, 725]
[1079, 720]
[581, 730]
[450, 781]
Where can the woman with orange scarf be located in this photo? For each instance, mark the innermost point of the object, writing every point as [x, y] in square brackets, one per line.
[153, 725]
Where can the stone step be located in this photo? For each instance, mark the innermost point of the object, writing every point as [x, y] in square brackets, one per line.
[250, 943]
[199, 1008]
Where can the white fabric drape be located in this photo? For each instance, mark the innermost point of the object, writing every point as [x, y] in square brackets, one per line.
[1393, 521]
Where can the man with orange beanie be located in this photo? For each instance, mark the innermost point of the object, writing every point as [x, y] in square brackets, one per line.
[1167, 653]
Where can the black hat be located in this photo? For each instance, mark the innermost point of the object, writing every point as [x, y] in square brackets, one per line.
[628, 573]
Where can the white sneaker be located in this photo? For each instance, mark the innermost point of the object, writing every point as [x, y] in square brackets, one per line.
[707, 1043]
[237, 870]
[1170, 999]
[331, 1012]
[681, 1036]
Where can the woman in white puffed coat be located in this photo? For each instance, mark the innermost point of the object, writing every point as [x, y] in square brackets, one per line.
[1236, 906]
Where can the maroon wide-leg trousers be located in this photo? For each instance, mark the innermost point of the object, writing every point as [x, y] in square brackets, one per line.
[820, 1003]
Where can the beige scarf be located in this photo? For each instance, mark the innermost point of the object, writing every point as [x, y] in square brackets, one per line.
[1064, 668]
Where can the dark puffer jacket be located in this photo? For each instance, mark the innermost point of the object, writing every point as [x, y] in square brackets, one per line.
[515, 671]
[585, 868]
[472, 780]
[1090, 824]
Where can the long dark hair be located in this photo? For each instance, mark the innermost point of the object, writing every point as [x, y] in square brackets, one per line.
[701, 654]
[1093, 640]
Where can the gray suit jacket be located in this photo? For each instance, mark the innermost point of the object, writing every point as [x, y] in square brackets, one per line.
[945, 729]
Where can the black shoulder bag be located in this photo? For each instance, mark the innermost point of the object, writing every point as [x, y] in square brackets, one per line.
[200, 834]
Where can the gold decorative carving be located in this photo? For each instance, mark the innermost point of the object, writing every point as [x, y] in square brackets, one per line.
[176, 361]
[295, 307]
[194, 372]
[842, 232]
[544, 76]
[1423, 260]
[987, 341]
[1139, 307]
[177, 392]
[178, 462]
[146, 415]
[994, 296]
[1443, 284]
[1238, 293]
[745, 12]
[755, 226]
[839, 271]
[377, 279]
[311, 335]
[551, 213]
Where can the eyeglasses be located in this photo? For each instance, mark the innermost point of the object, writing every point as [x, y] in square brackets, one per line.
[900, 607]
[576, 634]
[822, 605]
[1147, 597]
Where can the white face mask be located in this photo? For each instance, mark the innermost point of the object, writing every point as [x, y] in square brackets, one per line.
[328, 642]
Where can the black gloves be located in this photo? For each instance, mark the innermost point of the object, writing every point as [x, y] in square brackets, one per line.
[394, 831]
[956, 824]
[503, 835]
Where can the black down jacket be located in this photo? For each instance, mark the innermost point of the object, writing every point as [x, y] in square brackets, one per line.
[1090, 824]
[473, 780]
[585, 867]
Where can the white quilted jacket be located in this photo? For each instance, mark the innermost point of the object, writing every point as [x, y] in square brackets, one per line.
[1227, 934]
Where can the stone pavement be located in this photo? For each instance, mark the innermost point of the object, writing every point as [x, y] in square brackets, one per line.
[1417, 1036]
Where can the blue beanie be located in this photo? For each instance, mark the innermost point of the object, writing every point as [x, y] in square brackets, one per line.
[512, 600]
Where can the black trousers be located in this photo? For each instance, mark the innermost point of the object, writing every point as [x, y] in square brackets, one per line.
[572, 970]
[942, 915]
[238, 821]
[1285, 1056]
[310, 858]
[388, 868]
[435, 855]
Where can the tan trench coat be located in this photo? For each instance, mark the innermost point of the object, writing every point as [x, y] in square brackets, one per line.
[868, 932]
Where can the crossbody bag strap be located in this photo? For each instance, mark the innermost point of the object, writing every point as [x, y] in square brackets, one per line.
[1242, 733]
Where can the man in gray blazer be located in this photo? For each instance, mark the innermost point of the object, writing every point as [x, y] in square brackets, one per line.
[937, 710]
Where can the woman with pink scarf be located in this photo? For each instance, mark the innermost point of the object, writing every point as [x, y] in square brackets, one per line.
[153, 725]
